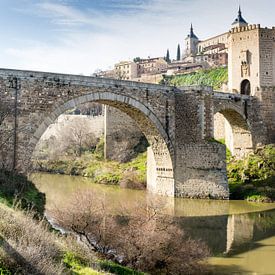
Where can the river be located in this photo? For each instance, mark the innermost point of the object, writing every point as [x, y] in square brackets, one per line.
[240, 235]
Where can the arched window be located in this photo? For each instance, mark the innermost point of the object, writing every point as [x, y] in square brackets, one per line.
[245, 87]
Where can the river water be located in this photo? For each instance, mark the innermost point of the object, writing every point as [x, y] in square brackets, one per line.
[240, 235]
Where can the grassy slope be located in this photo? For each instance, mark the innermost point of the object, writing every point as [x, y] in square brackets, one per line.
[253, 178]
[28, 244]
[211, 77]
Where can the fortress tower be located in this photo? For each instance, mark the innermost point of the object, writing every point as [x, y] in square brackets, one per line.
[251, 68]
[251, 61]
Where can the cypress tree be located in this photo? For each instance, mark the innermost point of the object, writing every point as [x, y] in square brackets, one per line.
[178, 53]
[168, 56]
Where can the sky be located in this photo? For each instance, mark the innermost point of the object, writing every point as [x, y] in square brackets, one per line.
[83, 36]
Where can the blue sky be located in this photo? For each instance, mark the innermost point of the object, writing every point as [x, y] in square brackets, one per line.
[81, 36]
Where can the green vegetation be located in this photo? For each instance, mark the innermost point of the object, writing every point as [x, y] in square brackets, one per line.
[4, 271]
[92, 165]
[117, 269]
[18, 189]
[167, 58]
[178, 53]
[78, 265]
[212, 77]
[25, 238]
[253, 178]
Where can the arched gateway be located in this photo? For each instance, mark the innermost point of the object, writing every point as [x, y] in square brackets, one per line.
[182, 159]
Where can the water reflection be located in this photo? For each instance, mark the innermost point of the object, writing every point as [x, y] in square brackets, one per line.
[230, 228]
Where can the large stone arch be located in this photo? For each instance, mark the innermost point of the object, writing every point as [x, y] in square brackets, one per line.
[237, 129]
[160, 170]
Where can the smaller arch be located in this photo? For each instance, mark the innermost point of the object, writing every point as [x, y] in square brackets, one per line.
[245, 87]
[232, 126]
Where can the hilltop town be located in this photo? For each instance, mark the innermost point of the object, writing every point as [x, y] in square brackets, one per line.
[196, 54]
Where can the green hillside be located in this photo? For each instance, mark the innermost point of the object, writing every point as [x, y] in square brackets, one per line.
[210, 77]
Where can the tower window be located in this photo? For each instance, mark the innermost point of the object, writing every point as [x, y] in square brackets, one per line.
[266, 73]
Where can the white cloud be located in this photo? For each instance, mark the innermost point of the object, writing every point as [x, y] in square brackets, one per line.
[90, 39]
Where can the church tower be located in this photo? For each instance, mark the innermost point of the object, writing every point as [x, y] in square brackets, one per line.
[239, 21]
[191, 43]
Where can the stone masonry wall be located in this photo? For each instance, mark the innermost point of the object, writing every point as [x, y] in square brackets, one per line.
[122, 136]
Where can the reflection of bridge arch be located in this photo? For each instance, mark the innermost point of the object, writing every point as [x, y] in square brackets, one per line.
[147, 121]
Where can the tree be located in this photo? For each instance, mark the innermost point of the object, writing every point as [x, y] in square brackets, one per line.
[167, 58]
[178, 53]
[137, 59]
[142, 238]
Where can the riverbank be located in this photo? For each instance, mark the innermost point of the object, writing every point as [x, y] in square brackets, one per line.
[251, 178]
[28, 244]
[128, 175]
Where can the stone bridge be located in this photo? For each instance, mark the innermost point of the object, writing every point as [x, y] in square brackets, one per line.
[183, 159]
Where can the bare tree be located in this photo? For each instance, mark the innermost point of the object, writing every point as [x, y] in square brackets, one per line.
[142, 238]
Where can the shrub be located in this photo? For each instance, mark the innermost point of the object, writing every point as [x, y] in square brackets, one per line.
[253, 178]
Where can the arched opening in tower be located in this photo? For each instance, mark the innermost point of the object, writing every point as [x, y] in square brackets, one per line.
[245, 87]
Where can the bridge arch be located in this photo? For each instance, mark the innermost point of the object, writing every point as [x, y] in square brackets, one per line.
[160, 170]
[230, 122]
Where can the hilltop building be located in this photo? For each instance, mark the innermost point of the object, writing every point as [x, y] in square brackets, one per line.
[213, 50]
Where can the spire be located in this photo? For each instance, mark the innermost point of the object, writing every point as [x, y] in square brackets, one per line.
[192, 35]
[239, 21]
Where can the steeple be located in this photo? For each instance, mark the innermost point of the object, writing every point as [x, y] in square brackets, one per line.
[192, 35]
[239, 21]
[191, 42]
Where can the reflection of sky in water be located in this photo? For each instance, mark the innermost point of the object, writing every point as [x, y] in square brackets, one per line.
[243, 231]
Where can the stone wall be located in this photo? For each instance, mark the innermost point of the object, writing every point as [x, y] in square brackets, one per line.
[266, 108]
[122, 136]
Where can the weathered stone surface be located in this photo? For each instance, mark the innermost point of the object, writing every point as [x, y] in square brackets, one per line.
[178, 124]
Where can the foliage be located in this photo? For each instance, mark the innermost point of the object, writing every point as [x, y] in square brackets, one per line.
[211, 77]
[253, 178]
[137, 59]
[167, 58]
[131, 174]
[115, 268]
[77, 265]
[15, 187]
[99, 150]
[4, 271]
[178, 53]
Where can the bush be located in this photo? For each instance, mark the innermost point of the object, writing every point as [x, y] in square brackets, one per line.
[253, 178]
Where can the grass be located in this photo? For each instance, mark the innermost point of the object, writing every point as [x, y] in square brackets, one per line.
[117, 269]
[131, 174]
[17, 188]
[210, 77]
[28, 245]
